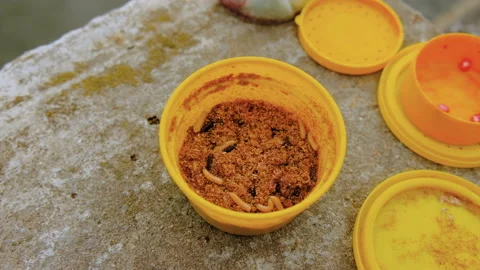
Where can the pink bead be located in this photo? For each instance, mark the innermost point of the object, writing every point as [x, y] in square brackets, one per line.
[444, 108]
[476, 118]
[465, 65]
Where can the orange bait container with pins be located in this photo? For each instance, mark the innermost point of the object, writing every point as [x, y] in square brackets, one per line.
[263, 79]
[441, 90]
[419, 220]
[429, 96]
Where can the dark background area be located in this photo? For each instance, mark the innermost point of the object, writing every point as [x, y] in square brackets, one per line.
[26, 24]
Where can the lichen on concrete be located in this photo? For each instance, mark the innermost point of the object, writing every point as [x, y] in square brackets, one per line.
[160, 47]
[78, 136]
[63, 77]
[16, 100]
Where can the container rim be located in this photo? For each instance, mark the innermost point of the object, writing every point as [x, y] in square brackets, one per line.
[304, 204]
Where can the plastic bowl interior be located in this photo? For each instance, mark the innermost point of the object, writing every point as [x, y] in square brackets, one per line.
[419, 220]
[263, 79]
[441, 94]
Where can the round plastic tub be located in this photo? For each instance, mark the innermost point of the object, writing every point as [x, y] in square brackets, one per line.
[419, 220]
[441, 91]
[353, 37]
[390, 105]
[263, 79]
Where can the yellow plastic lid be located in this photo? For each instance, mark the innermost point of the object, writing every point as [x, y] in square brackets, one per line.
[350, 36]
[389, 102]
[419, 220]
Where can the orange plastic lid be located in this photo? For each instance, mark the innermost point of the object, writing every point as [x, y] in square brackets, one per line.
[419, 220]
[389, 102]
[350, 36]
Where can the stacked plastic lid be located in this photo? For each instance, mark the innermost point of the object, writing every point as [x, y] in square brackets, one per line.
[429, 96]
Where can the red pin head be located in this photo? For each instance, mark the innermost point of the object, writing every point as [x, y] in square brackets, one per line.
[444, 108]
[465, 65]
[476, 118]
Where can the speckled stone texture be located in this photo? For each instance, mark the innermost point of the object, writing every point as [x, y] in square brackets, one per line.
[82, 184]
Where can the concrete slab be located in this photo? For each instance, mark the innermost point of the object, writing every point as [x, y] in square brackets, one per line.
[469, 22]
[82, 184]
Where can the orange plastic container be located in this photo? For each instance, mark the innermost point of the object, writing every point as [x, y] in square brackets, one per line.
[390, 105]
[441, 90]
[263, 79]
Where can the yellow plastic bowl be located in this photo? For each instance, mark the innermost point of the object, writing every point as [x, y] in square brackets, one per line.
[263, 79]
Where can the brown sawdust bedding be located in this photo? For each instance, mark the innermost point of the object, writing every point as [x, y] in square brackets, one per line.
[256, 150]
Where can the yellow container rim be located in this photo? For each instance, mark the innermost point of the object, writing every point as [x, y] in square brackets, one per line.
[191, 195]
[334, 62]
[364, 253]
[388, 96]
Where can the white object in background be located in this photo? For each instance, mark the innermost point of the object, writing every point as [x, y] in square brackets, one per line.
[266, 11]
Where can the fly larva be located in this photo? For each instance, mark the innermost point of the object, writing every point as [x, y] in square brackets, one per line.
[276, 201]
[227, 146]
[245, 206]
[209, 162]
[311, 141]
[201, 120]
[207, 126]
[211, 177]
[265, 209]
[313, 173]
[301, 127]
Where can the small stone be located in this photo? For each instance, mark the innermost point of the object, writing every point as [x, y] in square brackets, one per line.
[444, 108]
[153, 120]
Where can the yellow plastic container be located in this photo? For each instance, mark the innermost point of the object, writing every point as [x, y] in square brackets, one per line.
[419, 220]
[350, 36]
[390, 105]
[439, 96]
[263, 79]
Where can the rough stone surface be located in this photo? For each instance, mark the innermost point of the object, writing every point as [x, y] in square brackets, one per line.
[82, 184]
[469, 23]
